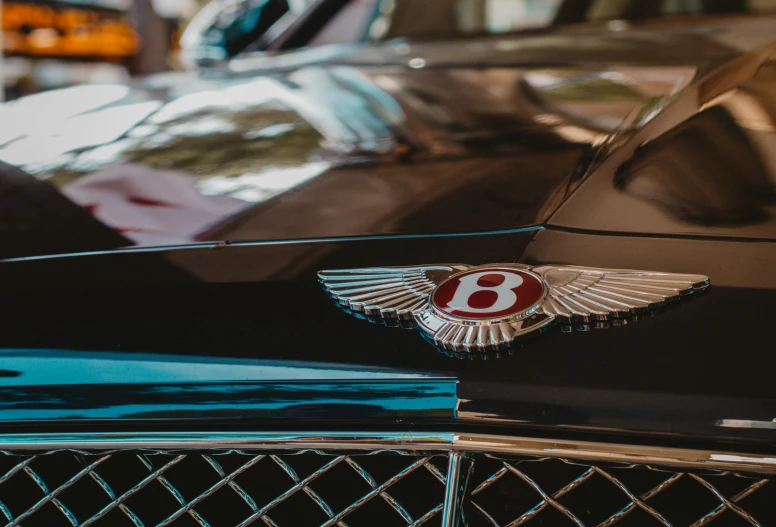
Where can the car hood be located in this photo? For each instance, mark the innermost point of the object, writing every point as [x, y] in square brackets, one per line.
[344, 141]
[242, 336]
[345, 165]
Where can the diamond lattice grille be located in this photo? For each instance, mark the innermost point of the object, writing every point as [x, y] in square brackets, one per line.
[385, 488]
[557, 492]
[220, 488]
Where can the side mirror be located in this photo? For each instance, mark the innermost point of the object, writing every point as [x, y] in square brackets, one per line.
[224, 28]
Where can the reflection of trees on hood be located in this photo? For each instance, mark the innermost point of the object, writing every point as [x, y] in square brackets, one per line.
[247, 127]
[248, 140]
[338, 109]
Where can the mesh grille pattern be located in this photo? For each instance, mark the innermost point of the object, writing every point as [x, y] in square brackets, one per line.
[220, 489]
[558, 492]
[382, 488]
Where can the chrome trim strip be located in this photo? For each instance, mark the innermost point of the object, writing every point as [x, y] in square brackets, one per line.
[414, 441]
[296, 241]
[459, 468]
[617, 452]
[452, 501]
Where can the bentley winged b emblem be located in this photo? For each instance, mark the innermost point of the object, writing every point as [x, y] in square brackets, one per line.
[464, 308]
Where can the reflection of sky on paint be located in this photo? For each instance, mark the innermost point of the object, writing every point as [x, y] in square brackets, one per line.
[44, 367]
[81, 131]
[200, 127]
[445, 402]
[235, 97]
[261, 186]
[39, 129]
[40, 112]
[43, 127]
[82, 385]
[97, 158]
[275, 130]
[341, 103]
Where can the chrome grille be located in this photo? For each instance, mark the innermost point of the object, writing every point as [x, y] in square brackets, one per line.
[221, 488]
[290, 488]
[559, 492]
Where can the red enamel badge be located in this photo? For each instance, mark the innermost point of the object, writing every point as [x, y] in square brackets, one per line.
[488, 293]
[464, 308]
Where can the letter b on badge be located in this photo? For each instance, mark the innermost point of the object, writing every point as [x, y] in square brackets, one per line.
[487, 293]
[469, 285]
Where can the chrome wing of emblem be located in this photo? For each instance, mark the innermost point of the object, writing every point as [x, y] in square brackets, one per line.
[478, 308]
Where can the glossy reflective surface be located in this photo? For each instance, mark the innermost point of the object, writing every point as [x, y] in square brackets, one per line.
[689, 370]
[702, 167]
[645, 150]
[488, 134]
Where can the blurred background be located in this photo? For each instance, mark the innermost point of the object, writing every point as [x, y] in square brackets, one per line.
[53, 44]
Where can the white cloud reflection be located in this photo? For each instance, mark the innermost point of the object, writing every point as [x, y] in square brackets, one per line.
[48, 138]
[200, 127]
[39, 113]
[232, 97]
[261, 186]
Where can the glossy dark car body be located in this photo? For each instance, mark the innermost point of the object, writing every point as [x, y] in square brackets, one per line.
[650, 149]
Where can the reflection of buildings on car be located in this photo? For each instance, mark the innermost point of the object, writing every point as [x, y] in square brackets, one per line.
[324, 151]
[55, 44]
[393, 138]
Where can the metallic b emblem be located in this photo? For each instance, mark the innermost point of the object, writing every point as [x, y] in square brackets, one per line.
[465, 308]
[486, 293]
